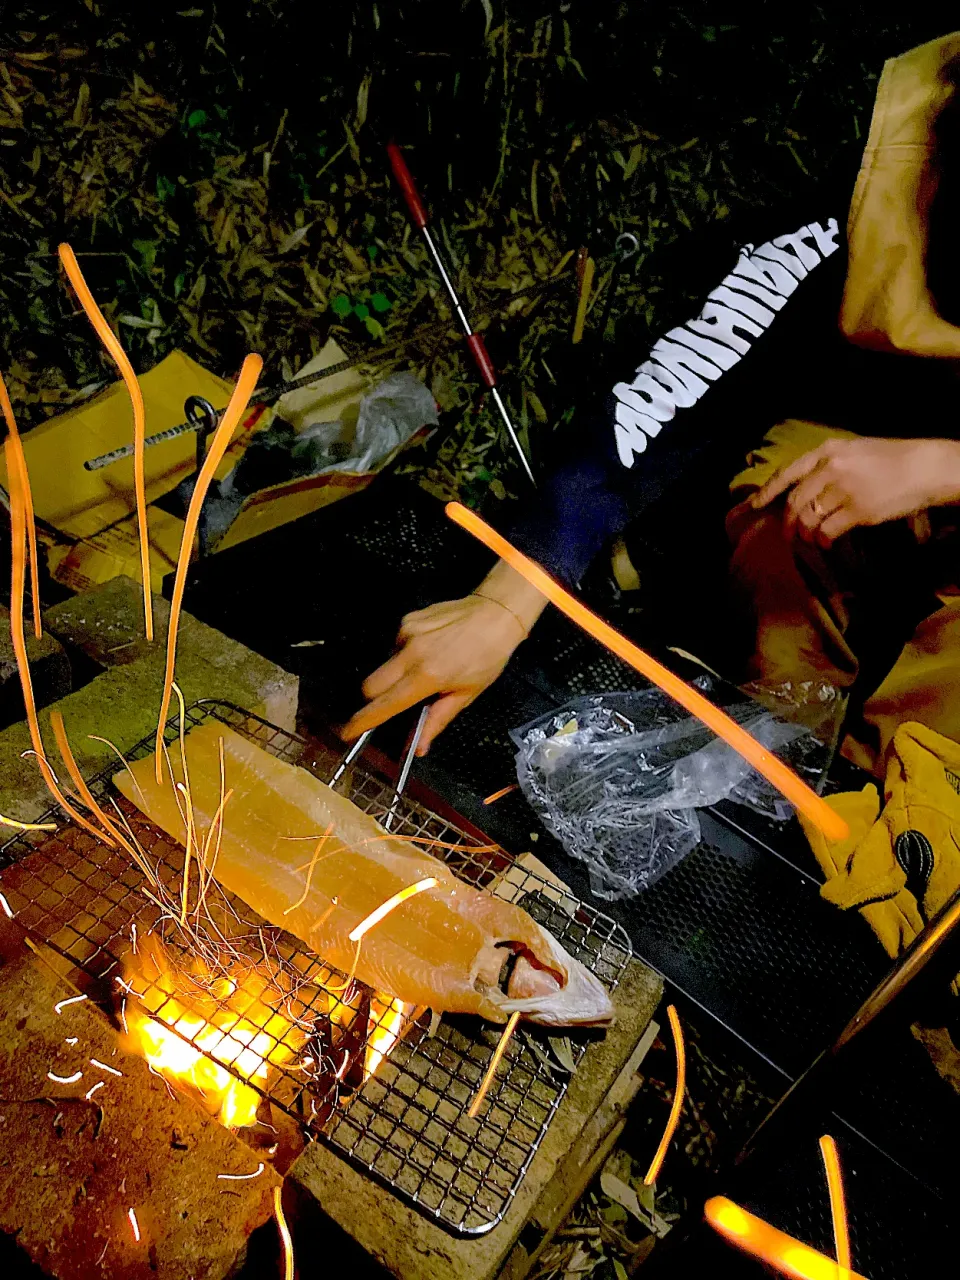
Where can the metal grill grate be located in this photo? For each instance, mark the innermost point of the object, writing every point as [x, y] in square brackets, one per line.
[406, 1124]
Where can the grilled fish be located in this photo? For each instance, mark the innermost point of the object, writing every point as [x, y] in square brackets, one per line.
[447, 947]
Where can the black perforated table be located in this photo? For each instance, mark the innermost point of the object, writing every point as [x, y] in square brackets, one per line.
[738, 929]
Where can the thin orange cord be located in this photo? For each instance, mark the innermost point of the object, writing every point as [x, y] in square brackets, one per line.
[19, 482]
[491, 1071]
[678, 1092]
[778, 1250]
[775, 771]
[838, 1202]
[234, 411]
[84, 792]
[112, 343]
[31, 523]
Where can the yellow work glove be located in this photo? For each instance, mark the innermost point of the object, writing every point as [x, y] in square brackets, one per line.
[899, 868]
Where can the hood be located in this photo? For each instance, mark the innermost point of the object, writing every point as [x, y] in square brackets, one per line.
[889, 301]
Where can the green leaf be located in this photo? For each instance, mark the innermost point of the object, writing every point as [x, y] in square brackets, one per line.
[380, 302]
[619, 1269]
[178, 284]
[374, 327]
[372, 251]
[164, 187]
[361, 311]
[147, 250]
[197, 117]
[342, 305]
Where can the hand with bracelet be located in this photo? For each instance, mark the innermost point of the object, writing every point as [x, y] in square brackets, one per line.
[451, 652]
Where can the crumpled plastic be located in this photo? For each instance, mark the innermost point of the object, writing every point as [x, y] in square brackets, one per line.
[387, 417]
[618, 779]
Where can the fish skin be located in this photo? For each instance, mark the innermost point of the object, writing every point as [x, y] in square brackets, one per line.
[442, 947]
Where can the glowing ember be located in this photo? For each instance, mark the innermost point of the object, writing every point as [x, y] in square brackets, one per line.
[135, 1225]
[191, 1029]
[77, 1075]
[93, 1089]
[6, 906]
[95, 1062]
[385, 908]
[284, 1235]
[62, 1004]
[242, 1177]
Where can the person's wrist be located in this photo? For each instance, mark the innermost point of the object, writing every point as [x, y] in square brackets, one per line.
[506, 587]
[948, 475]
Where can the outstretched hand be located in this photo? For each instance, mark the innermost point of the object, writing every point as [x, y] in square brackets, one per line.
[451, 652]
[845, 484]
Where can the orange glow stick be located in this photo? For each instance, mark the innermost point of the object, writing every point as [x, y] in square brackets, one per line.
[775, 1248]
[110, 340]
[19, 483]
[234, 411]
[674, 1118]
[391, 904]
[774, 770]
[838, 1202]
[14, 434]
[498, 1053]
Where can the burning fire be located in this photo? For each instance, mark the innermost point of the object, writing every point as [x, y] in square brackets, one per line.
[391, 1022]
[180, 1031]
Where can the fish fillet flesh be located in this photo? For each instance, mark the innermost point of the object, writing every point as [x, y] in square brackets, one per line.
[446, 947]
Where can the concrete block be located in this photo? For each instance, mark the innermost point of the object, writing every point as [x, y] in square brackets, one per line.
[411, 1247]
[49, 667]
[122, 703]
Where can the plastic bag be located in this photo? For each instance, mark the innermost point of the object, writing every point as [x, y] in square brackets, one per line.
[618, 779]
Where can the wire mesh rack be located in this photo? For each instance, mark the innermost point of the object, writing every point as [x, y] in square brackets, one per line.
[381, 1082]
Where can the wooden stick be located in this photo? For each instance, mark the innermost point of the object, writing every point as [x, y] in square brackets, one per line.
[498, 1053]
[765, 762]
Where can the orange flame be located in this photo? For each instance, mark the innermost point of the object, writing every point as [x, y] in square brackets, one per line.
[191, 1036]
[392, 1021]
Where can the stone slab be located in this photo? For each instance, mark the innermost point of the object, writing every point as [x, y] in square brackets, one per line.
[49, 666]
[121, 704]
[409, 1245]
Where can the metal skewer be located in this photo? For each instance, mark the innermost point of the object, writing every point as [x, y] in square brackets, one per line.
[349, 758]
[405, 770]
[478, 350]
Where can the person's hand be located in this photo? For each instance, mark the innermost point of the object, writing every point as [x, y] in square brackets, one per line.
[455, 650]
[848, 483]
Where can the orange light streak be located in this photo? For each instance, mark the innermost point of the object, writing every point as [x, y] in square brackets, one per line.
[242, 392]
[19, 483]
[112, 343]
[313, 862]
[391, 904]
[775, 771]
[31, 523]
[498, 1053]
[62, 1004]
[678, 1092]
[86, 795]
[775, 1248]
[6, 907]
[838, 1202]
[284, 1235]
[134, 1224]
[504, 791]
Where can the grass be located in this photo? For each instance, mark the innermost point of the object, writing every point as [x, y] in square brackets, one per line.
[220, 171]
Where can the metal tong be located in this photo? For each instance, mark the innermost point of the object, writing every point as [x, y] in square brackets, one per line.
[408, 759]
